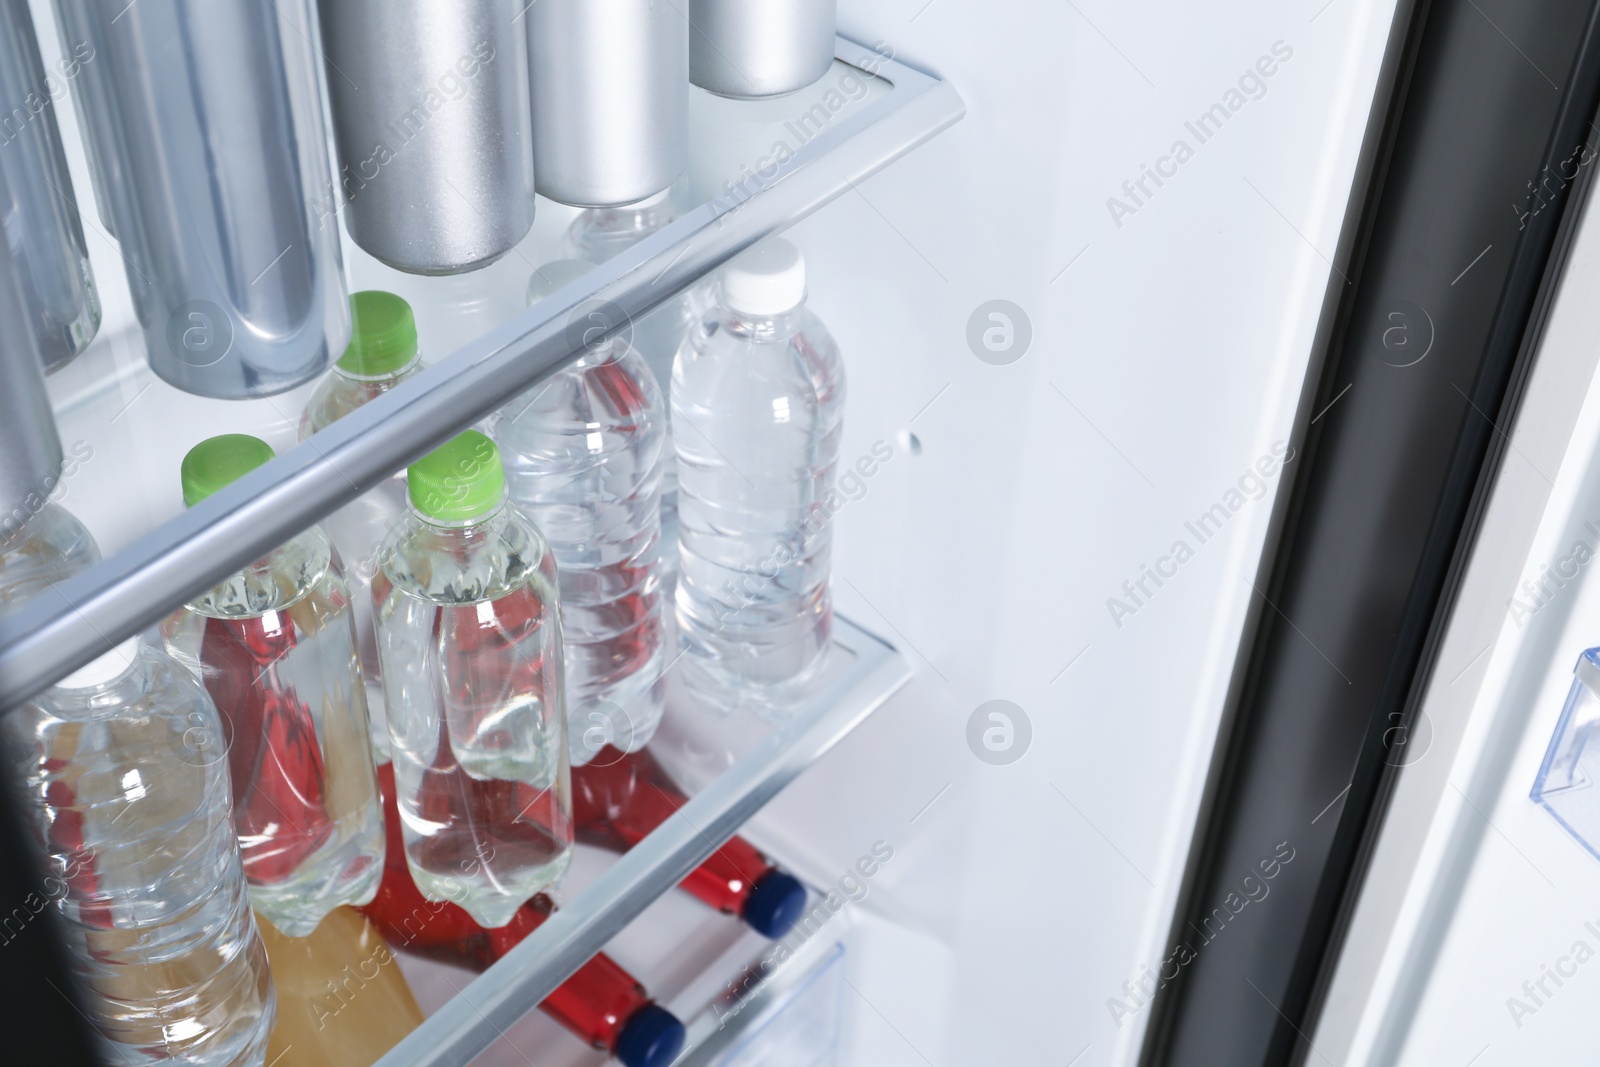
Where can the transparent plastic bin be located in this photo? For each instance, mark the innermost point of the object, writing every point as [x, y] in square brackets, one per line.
[793, 1023]
[1566, 783]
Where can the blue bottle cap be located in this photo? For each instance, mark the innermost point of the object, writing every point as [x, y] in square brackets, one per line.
[652, 1038]
[775, 904]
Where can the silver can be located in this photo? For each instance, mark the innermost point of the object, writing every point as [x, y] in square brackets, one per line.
[434, 126]
[30, 447]
[610, 98]
[207, 120]
[45, 233]
[753, 48]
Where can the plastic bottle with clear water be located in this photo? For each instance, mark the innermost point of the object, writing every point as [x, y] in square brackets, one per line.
[758, 394]
[469, 630]
[597, 234]
[49, 545]
[383, 352]
[126, 776]
[275, 646]
[583, 452]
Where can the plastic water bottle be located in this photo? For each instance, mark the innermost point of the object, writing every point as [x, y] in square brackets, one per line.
[275, 646]
[758, 396]
[599, 233]
[469, 631]
[582, 453]
[46, 547]
[596, 235]
[601, 1003]
[383, 353]
[124, 768]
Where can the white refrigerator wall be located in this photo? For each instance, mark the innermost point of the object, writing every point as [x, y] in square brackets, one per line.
[1169, 326]
[1166, 358]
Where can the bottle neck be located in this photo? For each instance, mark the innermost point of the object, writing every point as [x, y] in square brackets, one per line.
[117, 692]
[14, 532]
[764, 328]
[630, 220]
[598, 355]
[461, 526]
[389, 376]
[272, 582]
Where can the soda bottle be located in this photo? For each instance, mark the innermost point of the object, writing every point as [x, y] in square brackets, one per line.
[601, 1003]
[583, 452]
[618, 799]
[383, 353]
[341, 997]
[124, 772]
[469, 634]
[758, 395]
[275, 646]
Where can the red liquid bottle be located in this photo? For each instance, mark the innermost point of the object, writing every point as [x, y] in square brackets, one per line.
[275, 762]
[618, 799]
[601, 1003]
[274, 645]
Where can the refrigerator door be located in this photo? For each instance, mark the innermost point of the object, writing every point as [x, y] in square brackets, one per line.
[1473, 932]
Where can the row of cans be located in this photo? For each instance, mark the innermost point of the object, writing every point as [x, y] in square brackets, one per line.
[206, 131]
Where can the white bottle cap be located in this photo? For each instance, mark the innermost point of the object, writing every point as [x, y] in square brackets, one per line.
[555, 274]
[108, 668]
[769, 279]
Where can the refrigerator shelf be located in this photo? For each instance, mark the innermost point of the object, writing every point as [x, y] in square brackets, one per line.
[738, 996]
[864, 673]
[756, 167]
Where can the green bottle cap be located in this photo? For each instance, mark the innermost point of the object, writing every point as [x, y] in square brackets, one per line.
[460, 480]
[219, 461]
[383, 338]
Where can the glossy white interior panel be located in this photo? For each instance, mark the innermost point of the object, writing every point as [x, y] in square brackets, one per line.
[1167, 357]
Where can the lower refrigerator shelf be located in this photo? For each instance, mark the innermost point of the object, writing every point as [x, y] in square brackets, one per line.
[740, 996]
[864, 671]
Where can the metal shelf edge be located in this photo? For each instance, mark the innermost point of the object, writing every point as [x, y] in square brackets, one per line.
[78, 619]
[530, 972]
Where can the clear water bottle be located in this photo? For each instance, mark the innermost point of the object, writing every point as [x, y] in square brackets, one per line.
[275, 646]
[469, 631]
[48, 546]
[582, 453]
[599, 233]
[758, 396]
[596, 235]
[383, 353]
[127, 782]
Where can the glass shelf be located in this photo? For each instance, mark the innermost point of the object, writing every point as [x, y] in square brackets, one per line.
[737, 995]
[757, 167]
[862, 674]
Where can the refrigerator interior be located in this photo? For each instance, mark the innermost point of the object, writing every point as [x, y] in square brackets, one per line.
[1160, 334]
